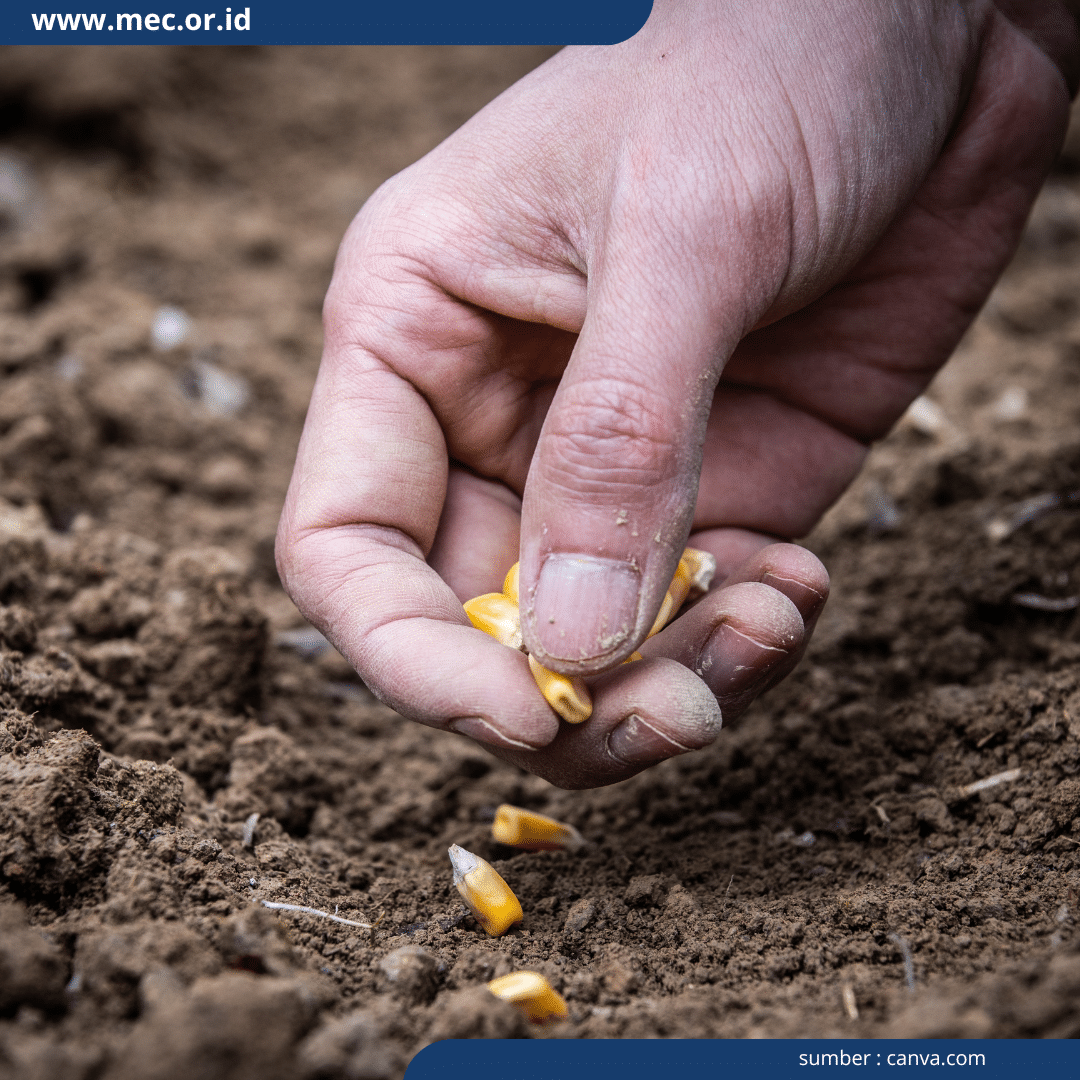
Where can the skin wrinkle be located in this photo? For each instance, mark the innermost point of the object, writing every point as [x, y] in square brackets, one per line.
[789, 212]
[656, 731]
[471, 331]
[794, 581]
[782, 650]
[318, 517]
[536, 216]
[800, 265]
[472, 438]
[463, 418]
[606, 415]
[503, 738]
[366, 632]
[546, 267]
[556, 296]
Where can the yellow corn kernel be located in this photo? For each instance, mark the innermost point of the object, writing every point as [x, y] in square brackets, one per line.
[489, 898]
[497, 615]
[632, 657]
[567, 695]
[694, 574]
[533, 832]
[700, 569]
[532, 994]
[510, 585]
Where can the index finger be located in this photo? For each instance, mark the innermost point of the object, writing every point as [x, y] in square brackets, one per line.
[359, 519]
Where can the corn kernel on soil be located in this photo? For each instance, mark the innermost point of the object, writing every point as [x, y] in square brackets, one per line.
[532, 994]
[531, 831]
[485, 893]
[141, 623]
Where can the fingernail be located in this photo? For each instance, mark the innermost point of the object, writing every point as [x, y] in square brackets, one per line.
[584, 607]
[482, 732]
[732, 662]
[635, 742]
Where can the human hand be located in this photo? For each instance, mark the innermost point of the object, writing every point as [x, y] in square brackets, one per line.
[666, 288]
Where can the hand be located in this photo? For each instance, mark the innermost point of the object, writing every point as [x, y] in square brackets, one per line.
[667, 288]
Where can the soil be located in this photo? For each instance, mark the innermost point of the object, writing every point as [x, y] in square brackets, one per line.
[824, 869]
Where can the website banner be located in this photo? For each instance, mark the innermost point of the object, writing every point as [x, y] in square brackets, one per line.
[325, 22]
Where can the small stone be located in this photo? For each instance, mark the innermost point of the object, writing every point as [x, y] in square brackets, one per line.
[581, 913]
[170, 328]
[646, 890]
[411, 973]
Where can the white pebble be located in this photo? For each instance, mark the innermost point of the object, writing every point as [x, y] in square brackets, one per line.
[307, 641]
[170, 328]
[926, 417]
[221, 392]
[882, 513]
[1012, 404]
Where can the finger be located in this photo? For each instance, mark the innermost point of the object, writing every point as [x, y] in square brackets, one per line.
[793, 572]
[713, 660]
[399, 624]
[790, 569]
[613, 484]
[643, 713]
[478, 537]
[732, 548]
[360, 516]
[739, 640]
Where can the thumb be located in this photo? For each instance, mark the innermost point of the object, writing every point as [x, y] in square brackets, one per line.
[612, 488]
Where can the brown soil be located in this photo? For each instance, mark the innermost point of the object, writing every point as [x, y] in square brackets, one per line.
[150, 700]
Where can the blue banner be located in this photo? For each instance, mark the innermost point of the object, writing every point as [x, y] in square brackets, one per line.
[323, 22]
[769, 1059]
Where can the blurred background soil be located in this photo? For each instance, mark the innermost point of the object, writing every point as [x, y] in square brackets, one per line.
[826, 869]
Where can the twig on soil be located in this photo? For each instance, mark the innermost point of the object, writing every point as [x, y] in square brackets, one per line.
[249, 830]
[314, 911]
[1038, 602]
[847, 992]
[909, 965]
[726, 891]
[1024, 513]
[1005, 777]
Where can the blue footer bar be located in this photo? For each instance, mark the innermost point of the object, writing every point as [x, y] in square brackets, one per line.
[769, 1059]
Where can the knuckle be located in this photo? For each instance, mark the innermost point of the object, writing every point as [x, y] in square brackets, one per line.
[608, 437]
